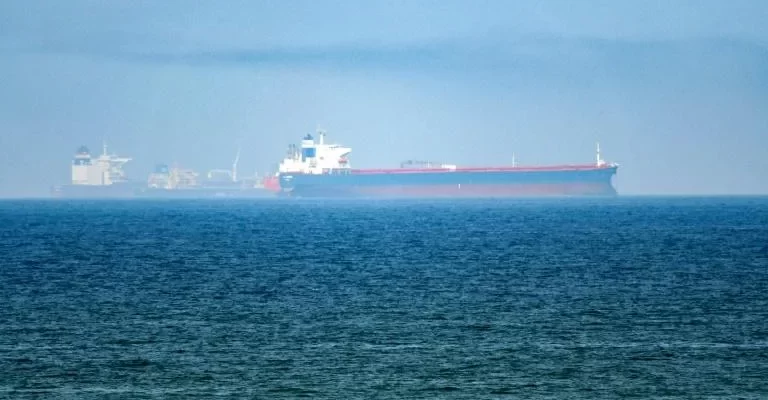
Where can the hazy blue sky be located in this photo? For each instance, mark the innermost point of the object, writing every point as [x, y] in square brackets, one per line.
[675, 91]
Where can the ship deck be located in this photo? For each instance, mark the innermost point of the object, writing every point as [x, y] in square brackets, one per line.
[572, 167]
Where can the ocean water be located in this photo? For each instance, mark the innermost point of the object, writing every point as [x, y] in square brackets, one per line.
[471, 299]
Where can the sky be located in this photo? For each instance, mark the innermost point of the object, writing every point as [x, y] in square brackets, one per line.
[676, 92]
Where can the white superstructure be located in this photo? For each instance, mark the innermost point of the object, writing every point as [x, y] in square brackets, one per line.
[315, 157]
[106, 169]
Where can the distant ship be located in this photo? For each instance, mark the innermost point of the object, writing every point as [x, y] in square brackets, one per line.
[318, 169]
[103, 177]
[185, 183]
[97, 177]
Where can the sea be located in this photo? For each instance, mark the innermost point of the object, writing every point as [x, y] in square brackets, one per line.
[626, 297]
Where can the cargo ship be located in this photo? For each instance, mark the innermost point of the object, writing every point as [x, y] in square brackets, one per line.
[103, 177]
[318, 169]
[97, 177]
[175, 182]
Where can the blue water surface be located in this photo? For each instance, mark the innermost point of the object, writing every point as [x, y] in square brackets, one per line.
[471, 299]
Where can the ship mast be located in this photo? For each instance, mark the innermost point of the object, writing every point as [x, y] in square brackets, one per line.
[598, 158]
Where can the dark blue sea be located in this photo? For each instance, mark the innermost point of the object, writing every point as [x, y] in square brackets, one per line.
[638, 297]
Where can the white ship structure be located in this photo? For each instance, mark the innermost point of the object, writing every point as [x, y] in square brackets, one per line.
[103, 177]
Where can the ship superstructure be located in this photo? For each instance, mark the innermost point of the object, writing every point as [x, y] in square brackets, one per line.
[322, 169]
[106, 169]
[315, 157]
[96, 177]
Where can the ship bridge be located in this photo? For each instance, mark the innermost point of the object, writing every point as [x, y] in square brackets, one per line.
[315, 157]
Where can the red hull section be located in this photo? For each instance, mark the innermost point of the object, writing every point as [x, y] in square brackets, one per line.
[511, 190]
[272, 184]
